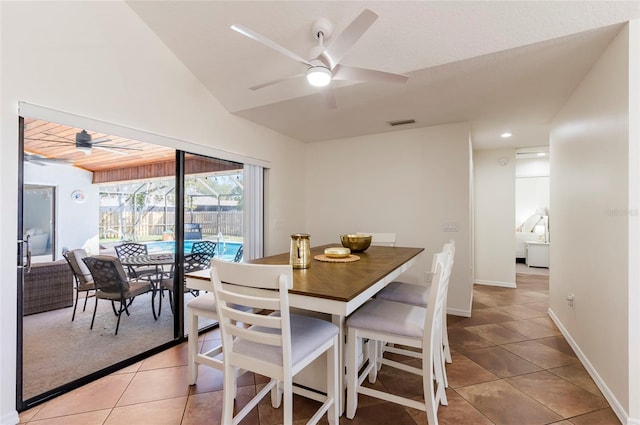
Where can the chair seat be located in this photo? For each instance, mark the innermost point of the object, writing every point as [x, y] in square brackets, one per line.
[306, 334]
[86, 286]
[207, 302]
[135, 289]
[389, 317]
[408, 293]
[204, 302]
[144, 271]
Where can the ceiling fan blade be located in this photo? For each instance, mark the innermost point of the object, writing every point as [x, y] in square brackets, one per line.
[270, 83]
[104, 148]
[352, 73]
[124, 148]
[272, 44]
[329, 97]
[347, 38]
[101, 140]
[43, 160]
[36, 139]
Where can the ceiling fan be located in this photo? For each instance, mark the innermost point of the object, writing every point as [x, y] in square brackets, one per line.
[43, 160]
[324, 65]
[84, 143]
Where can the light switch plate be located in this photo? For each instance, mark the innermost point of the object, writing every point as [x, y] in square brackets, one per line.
[450, 227]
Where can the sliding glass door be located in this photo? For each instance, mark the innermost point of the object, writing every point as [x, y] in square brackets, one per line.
[86, 193]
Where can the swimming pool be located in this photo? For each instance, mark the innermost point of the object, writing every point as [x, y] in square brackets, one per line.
[224, 250]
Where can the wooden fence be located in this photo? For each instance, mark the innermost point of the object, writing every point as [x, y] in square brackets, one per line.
[121, 226]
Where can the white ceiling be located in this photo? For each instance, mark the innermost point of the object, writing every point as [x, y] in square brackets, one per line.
[504, 65]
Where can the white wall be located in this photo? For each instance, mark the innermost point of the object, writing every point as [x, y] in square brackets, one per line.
[532, 187]
[98, 60]
[634, 223]
[76, 223]
[532, 167]
[409, 182]
[494, 211]
[592, 214]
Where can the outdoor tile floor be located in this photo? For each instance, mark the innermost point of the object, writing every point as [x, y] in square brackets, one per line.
[510, 366]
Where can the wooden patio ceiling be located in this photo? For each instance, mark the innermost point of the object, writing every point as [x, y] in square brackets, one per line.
[117, 159]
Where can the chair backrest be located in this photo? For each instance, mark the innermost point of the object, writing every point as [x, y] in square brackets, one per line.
[239, 254]
[206, 247]
[244, 347]
[196, 261]
[129, 249]
[450, 248]
[108, 273]
[433, 319]
[381, 239]
[80, 270]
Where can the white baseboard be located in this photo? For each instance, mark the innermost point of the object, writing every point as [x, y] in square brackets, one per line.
[613, 401]
[496, 283]
[458, 312]
[11, 418]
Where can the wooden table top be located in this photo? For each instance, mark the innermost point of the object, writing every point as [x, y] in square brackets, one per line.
[344, 281]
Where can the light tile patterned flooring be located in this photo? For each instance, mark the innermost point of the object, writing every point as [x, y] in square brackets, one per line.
[510, 366]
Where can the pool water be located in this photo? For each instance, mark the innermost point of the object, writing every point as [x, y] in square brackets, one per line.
[224, 250]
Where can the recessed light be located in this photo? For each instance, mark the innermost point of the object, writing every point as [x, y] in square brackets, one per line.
[541, 154]
[506, 135]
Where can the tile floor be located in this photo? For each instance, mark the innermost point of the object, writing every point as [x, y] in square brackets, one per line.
[510, 366]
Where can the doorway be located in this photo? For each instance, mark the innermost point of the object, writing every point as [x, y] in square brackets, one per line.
[533, 224]
[39, 221]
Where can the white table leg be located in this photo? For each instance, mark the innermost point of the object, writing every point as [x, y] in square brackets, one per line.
[340, 322]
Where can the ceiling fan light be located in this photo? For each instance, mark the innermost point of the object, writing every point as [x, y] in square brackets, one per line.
[319, 76]
[85, 149]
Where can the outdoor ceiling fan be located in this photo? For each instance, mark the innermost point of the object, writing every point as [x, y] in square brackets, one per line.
[84, 143]
[324, 65]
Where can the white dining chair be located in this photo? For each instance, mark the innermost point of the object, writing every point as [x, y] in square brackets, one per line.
[418, 294]
[381, 239]
[203, 306]
[278, 345]
[408, 325]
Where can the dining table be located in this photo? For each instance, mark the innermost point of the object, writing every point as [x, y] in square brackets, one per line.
[334, 288]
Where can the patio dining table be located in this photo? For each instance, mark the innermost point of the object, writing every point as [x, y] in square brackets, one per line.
[160, 261]
[337, 289]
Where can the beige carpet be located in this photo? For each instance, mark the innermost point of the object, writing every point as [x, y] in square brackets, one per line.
[58, 351]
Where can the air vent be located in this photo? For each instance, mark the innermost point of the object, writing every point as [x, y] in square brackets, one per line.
[533, 152]
[401, 122]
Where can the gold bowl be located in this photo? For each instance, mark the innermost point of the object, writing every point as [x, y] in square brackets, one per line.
[356, 243]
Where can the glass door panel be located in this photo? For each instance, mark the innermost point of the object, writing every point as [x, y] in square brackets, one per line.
[92, 192]
[213, 213]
